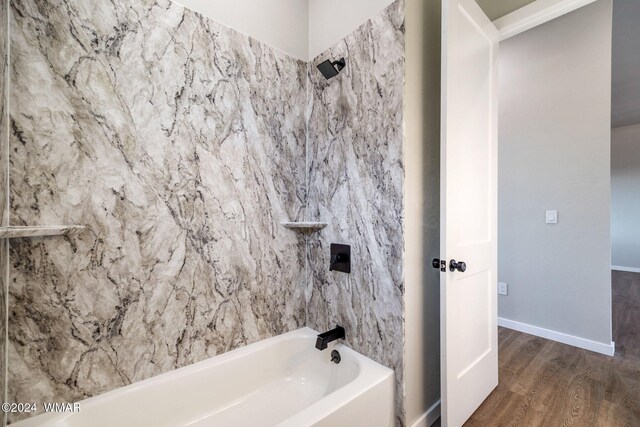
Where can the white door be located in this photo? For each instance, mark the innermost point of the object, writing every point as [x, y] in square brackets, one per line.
[469, 335]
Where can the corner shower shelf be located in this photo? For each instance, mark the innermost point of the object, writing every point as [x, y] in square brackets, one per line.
[305, 226]
[39, 231]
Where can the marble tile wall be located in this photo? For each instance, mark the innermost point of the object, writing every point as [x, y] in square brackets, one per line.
[4, 281]
[4, 102]
[180, 144]
[356, 174]
[4, 169]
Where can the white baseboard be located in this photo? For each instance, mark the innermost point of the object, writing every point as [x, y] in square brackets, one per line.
[428, 417]
[627, 269]
[607, 349]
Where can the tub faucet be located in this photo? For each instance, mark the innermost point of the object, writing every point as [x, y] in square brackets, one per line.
[325, 338]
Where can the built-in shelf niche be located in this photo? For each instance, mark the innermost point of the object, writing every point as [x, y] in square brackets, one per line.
[12, 232]
[305, 226]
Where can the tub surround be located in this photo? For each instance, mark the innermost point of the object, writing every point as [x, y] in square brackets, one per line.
[356, 183]
[4, 112]
[4, 196]
[4, 280]
[181, 143]
[176, 141]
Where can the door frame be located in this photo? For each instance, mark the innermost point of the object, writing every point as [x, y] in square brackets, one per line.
[534, 14]
[528, 17]
[424, 77]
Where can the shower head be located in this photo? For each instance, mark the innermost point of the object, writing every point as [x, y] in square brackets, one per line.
[331, 69]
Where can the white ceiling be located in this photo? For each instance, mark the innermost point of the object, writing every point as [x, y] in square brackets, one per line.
[626, 63]
[282, 24]
[301, 28]
[332, 20]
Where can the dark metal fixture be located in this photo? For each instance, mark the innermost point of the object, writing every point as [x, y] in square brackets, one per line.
[331, 69]
[325, 338]
[340, 258]
[335, 357]
[439, 264]
[460, 266]
[453, 265]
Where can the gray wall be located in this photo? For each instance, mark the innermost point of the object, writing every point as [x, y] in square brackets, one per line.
[422, 207]
[555, 109]
[625, 197]
[625, 88]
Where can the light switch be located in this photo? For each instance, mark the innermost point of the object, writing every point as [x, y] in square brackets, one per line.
[503, 288]
[552, 217]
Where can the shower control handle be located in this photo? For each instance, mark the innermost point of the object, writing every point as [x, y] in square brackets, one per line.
[459, 266]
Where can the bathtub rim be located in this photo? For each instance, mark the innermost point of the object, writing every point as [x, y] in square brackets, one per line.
[370, 375]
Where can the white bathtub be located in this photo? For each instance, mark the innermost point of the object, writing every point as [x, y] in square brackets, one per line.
[282, 381]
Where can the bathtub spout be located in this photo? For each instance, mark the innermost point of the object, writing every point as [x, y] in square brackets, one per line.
[325, 338]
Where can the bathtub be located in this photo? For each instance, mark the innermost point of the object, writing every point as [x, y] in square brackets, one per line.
[282, 381]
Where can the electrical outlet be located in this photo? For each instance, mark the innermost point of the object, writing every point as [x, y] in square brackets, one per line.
[503, 289]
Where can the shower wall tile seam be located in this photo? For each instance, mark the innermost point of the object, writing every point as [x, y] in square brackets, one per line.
[307, 275]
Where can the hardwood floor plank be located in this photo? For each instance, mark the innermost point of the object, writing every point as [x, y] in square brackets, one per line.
[517, 355]
[547, 373]
[577, 401]
[494, 411]
[612, 415]
[625, 293]
[623, 387]
[549, 384]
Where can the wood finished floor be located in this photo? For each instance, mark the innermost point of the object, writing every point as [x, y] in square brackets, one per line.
[545, 383]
